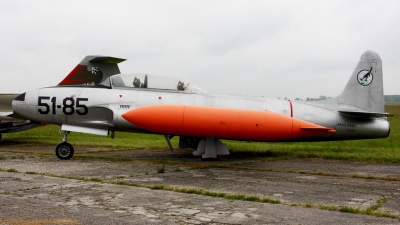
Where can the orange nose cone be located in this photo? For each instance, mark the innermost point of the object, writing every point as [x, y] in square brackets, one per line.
[222, 123]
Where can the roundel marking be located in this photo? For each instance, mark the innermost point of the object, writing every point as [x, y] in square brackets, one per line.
[365, 77]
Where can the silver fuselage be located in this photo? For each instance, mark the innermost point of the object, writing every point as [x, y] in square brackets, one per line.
[101, 108]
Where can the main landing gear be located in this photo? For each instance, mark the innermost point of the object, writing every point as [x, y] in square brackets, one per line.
[64, 150]
[211, 148]
[206, 148]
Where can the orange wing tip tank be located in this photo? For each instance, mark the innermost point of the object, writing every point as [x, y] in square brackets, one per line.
[224, 123]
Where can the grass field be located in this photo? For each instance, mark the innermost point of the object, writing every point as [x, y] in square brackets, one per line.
[376, 150]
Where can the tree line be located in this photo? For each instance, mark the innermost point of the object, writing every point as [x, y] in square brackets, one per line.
[392, 98]
[388, 98]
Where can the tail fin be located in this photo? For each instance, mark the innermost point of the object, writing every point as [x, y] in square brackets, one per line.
[93, 69]
[364, 90]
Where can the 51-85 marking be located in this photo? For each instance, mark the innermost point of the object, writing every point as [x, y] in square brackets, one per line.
[68, 107]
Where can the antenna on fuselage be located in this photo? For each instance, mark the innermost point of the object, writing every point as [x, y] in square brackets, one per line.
[145, 81]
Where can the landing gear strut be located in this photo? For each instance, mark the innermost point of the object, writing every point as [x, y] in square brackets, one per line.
[64, 150]
[211, 148]
[168, 139]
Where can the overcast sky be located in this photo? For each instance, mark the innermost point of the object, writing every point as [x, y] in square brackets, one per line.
[262, 48]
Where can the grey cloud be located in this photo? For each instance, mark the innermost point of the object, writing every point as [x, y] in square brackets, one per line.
[269, 48]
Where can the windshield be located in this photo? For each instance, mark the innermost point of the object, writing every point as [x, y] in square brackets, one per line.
[151, 81]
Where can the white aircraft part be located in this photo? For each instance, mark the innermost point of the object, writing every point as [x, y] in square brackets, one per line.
[6, 118]
[222, 149]
[86, 130]
[201, 148]
[21, 123]
[211, 148]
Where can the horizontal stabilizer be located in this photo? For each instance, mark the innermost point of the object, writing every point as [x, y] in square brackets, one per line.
[365, 114]
[328, 130]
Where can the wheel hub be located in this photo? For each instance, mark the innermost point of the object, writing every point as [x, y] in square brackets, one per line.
[64, 151]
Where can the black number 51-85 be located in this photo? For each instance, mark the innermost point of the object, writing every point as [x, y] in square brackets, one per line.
[68, 106]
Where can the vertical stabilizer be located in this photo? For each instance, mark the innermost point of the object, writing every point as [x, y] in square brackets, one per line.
[92, 70]
[364, 90]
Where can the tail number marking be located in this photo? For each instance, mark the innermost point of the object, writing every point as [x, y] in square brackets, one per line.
[68, 107]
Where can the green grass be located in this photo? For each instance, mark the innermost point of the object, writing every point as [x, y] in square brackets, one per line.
[49, 135]
[30, 172]
[376, 150]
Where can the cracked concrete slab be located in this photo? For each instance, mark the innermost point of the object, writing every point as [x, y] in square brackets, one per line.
[32, 196]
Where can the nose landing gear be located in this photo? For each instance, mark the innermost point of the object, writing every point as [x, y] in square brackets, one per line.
[64, 150]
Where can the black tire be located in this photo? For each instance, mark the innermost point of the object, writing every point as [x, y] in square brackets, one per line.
[64, 151]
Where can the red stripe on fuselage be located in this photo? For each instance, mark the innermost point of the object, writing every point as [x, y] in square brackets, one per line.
[291, 108]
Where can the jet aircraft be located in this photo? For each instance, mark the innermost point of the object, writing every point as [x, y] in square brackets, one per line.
[171, 107]
[12, 122]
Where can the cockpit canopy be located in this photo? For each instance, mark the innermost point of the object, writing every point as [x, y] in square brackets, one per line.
[150, 81]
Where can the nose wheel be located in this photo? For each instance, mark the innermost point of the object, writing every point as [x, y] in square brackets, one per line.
[64, 150]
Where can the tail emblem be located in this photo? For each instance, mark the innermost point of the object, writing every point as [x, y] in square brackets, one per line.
[365, 77]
